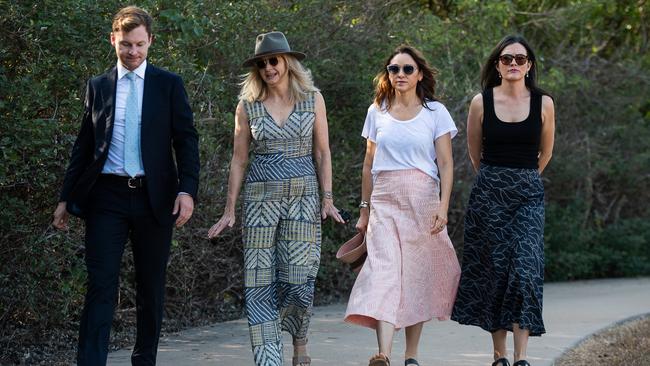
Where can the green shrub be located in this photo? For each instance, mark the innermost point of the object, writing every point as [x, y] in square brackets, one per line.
[593, 57]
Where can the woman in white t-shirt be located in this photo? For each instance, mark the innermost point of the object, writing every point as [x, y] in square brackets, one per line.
[411, 273]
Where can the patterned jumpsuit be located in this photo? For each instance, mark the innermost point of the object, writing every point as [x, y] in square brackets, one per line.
[281, 229]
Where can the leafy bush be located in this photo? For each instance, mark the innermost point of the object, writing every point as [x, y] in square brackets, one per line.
[593, 57]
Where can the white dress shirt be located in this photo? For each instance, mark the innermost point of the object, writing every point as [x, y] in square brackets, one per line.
[115, 162]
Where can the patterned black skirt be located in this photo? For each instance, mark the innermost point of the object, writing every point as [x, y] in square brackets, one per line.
[502, 276]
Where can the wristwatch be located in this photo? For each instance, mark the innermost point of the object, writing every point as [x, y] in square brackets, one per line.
[364, 204]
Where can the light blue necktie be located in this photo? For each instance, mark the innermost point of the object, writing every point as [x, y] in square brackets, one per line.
[132, 160]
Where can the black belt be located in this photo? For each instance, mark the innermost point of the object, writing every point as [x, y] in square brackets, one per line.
[130, 182]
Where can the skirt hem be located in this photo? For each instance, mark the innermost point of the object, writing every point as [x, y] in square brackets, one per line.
[534, 331]
[369, 321]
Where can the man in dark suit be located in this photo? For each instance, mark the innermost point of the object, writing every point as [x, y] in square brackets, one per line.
[123, 181]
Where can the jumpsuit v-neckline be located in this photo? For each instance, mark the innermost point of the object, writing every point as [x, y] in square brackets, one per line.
[286, 120]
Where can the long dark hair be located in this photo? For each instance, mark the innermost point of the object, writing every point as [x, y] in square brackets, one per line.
[425, 88]
[490, 76]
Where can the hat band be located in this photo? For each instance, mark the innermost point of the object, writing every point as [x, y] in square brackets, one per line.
[279, 50]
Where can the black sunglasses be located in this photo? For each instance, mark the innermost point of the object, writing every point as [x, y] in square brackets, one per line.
[273, 61]
[394, 69]
[506, 59]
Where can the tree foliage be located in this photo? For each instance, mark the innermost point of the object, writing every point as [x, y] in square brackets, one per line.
[593, 58]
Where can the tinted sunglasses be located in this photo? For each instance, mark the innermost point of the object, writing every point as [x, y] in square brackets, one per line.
[394, 69]
[520, 59]
[273, 61]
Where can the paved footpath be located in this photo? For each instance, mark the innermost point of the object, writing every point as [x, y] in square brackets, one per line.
[572, 311]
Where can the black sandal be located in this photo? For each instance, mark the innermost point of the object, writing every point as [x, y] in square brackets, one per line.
[521, 363]
[501, 362]
[411, 361]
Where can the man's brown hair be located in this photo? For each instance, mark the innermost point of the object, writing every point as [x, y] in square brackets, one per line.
[131, 17]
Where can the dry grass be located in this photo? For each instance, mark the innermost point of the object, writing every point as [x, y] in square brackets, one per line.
[625, 344]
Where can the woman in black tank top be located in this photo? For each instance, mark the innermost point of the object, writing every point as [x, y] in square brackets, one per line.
[510, 129]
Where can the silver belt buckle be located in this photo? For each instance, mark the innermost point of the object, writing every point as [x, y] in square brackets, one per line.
[131, 183]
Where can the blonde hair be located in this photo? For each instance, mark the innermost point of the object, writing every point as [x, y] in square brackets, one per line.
[300, 82]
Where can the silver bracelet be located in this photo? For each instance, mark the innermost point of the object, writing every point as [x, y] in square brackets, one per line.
[328, 195]
[364, 204]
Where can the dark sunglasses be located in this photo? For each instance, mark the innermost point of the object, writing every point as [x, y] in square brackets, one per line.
[273, 61]
[394, 69]
[520, 59]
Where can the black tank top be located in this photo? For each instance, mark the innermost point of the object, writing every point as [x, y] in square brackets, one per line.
[513, 145]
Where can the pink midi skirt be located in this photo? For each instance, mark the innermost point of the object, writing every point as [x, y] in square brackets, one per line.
[410, 275]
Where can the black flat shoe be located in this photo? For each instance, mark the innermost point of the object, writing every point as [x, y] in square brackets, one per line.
[521, 363]
[501, 362]
[411, 361]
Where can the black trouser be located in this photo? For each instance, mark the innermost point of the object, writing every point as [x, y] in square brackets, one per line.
[115, 213]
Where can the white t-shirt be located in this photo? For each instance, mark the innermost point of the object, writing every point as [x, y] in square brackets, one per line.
[407, 144]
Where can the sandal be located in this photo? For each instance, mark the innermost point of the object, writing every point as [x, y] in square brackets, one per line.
[521, 363]
[303, 360]
[379, 359]
[411, 361]
[502, 362]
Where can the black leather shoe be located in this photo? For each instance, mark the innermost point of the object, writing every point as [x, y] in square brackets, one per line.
[501, 362]
[521, 363]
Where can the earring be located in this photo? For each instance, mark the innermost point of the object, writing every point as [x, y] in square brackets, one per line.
[499, 75]
[526, 73]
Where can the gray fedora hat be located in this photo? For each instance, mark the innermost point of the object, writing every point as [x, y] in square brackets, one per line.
[272, 43]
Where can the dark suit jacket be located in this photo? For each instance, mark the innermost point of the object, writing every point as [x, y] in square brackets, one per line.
[167, 126]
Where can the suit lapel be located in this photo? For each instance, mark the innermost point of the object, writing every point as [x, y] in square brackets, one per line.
[108, 92]
[148, 98]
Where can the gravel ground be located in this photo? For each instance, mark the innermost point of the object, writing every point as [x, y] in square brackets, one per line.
[626, 344]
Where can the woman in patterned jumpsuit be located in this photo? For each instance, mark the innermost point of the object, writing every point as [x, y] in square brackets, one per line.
[283, 114]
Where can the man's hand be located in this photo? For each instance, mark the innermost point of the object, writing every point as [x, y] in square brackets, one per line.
[60, 220]
[185, 204]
